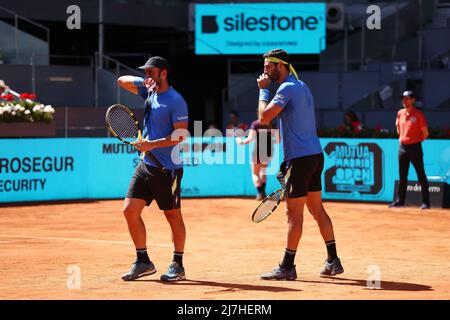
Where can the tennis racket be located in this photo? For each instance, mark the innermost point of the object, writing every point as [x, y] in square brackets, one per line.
[267, 206]
[122, 124]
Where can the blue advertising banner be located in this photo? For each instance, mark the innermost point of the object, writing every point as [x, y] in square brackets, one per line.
[254, 28]
[98, 168]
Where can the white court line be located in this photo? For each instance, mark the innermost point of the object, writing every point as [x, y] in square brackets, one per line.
[109, 242]
[372, 260]
[76, 239]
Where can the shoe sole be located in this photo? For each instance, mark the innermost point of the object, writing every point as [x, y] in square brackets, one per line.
[280, 279]
[330, 275]
[142, 275]
[179, 278]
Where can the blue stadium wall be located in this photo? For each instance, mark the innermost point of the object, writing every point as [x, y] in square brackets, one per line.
[100, 168]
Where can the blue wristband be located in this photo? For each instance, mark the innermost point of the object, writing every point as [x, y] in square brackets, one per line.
[264, 94]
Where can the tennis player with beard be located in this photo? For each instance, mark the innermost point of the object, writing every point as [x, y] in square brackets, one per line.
[303, 160]
[165, 112]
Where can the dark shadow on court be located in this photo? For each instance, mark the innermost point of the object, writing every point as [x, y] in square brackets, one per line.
[227, 287]
[385, 285]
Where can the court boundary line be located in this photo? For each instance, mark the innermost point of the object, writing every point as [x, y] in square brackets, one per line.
[373, 260]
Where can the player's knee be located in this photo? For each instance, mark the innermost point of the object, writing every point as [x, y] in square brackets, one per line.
[130, 213]
[173, 215]
[294, 217]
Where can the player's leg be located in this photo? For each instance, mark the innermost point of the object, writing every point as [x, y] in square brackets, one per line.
[167, 192]
[263, 178]
[132, 211]
[417, 160]
[403, 167]
[175, 220]
[315, 205]
[257, 180]
[314, 202]
[297, 173]
[333, 264]
[138, 196]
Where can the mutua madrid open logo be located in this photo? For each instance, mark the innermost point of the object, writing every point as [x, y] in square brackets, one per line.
[356, 169]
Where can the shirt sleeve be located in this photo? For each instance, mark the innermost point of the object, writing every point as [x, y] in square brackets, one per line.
[283, 95]
[142, 90]
[180, 111]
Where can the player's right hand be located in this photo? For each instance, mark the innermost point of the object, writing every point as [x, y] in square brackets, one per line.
[263, 81]
[150, 84]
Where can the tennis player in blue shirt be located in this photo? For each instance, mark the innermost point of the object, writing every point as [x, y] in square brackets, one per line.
[300, 172]
[165, 112]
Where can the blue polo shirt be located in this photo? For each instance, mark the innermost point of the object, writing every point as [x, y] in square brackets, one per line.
[162, 110]
[297, 121]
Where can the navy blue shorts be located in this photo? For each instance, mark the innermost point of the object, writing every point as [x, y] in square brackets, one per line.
[302, 175]
[163, 185]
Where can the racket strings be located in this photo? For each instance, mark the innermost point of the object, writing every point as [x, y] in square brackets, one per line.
[123, 124]
[267, 207]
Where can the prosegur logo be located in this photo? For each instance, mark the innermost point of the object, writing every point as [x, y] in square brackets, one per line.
[356, 168]
[242, 22]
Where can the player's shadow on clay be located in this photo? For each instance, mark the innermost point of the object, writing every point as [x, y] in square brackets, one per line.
[228, 287]
[384, 285]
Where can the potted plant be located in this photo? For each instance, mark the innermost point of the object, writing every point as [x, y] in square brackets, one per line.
[24, 117]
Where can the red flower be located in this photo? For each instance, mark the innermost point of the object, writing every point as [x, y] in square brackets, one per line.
[7, 97]
[356, 126]
[32, 96]
[23, 96]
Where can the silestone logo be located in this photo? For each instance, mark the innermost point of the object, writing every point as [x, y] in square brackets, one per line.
[243, 22]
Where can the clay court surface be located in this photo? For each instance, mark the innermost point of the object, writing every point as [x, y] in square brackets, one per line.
[225, 252]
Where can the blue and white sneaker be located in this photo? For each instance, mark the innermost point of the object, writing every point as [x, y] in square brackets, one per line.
[138, 270]
[280, 273]
[174, 273]
[332, 268]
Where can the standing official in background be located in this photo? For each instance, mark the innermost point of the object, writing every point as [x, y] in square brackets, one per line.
[412, 130]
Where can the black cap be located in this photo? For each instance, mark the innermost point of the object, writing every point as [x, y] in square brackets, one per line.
[409, 94]
[156, 62]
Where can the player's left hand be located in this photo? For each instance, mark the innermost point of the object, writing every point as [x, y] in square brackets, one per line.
[144, 145]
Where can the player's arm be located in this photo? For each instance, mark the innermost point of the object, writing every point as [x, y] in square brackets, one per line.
[397, 125]
[270, 111]
[425, 132]
[178, 135]
[131, 83]
[267, 110]
[250, 138]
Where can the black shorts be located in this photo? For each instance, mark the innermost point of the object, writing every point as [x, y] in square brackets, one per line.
[302, 175]
[150, 183]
